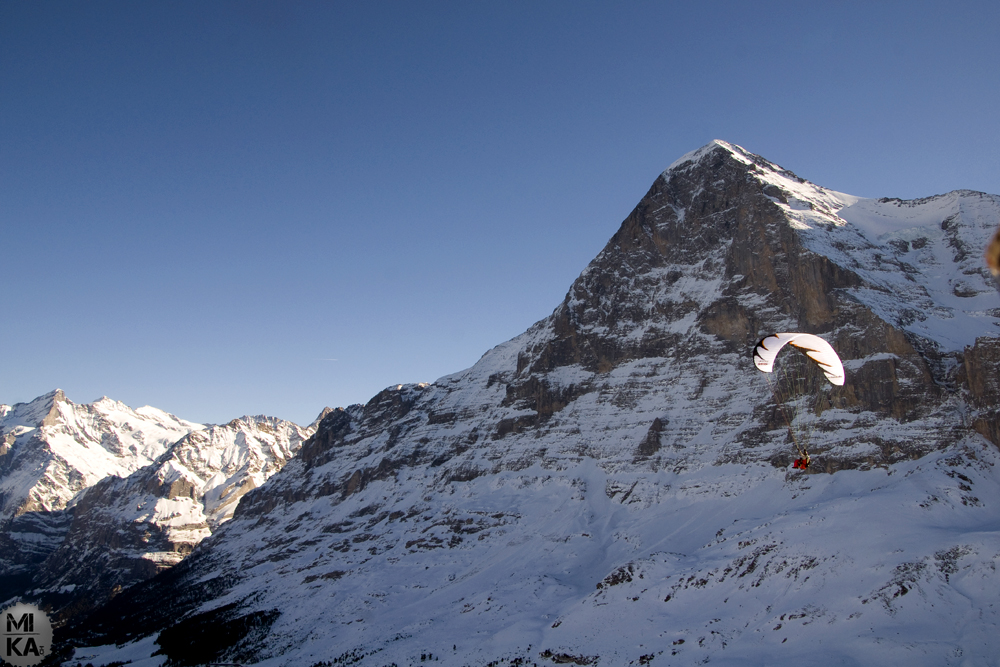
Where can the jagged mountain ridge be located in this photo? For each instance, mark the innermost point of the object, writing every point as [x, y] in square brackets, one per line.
[52, 449]
[621, 465]
[144, 487]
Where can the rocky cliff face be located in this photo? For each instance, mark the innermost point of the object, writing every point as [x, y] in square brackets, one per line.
[981, 363]
[613, 485]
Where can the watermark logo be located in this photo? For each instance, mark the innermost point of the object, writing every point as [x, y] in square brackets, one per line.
[25, 635]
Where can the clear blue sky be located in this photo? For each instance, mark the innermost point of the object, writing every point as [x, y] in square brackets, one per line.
[228, 208]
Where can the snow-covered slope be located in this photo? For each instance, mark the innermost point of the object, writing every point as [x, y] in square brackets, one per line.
[613, 486]
[735, 565]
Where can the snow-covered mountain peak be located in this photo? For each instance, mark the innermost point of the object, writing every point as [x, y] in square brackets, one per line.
[100, 495]
[714, 146]
[51, 451]
[54, 448]
[33, 413]
[911, 258]
[160, 513]
[614, 486]
[803, 201]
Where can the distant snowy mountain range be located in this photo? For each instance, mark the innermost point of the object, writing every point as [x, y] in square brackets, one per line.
[74, 446]
[612, 487]
[97, 497]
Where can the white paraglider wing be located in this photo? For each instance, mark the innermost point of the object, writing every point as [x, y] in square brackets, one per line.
[814, 347]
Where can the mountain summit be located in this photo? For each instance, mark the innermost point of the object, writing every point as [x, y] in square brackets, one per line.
[614, 485]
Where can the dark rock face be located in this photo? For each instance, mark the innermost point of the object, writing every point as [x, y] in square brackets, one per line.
[26, 541]
[982, 373]
[715, 222]
[112, 556]
[211, 635]
[651, 443]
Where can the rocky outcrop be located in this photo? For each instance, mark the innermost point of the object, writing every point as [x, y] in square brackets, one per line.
[982, 375]
[709, 243]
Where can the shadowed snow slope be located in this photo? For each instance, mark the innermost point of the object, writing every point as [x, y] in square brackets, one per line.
[612, 487]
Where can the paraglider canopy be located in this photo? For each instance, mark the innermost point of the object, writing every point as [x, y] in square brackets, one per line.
[813, 346]
[818, 351]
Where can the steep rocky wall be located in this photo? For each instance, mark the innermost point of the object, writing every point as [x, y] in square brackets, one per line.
[710, 241]
[982, 373]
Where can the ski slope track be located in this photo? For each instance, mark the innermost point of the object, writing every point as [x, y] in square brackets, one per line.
[613, 487]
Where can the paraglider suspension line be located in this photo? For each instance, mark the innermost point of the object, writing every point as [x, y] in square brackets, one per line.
[802, 450]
